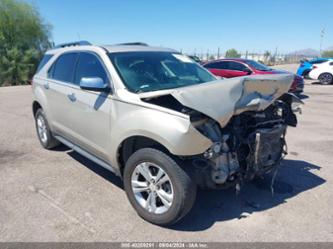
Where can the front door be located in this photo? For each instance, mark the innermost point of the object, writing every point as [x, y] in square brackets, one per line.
[91, 110]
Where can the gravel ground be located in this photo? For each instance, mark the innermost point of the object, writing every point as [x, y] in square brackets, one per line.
[61, 196]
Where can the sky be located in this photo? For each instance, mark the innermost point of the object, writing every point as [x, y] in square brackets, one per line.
[193, 25]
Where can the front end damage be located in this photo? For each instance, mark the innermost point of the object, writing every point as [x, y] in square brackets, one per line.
[251, 144]
[246, 119]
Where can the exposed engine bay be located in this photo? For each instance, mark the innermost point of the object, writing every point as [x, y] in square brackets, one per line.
[252, 144]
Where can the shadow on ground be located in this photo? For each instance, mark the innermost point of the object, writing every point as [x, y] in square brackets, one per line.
[293, 178]
[302, 96]
[211, 206]
[318, 83]
[106, 174]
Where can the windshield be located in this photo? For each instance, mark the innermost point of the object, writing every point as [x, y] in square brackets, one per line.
[318, 61]
[258, 66]
[152, 71]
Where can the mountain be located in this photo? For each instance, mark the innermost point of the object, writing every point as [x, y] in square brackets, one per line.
[309, 52]
[329, 48]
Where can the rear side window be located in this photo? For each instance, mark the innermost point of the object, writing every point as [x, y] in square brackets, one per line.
[89, 66]
[44, 60]
[217, 65]
[63, 68]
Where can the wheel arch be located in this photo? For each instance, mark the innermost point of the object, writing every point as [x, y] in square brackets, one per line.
[133, 143]
[35, 106]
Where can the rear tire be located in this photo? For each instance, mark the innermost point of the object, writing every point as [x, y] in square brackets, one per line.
[141, 180]
[326, 78]
[44, 133]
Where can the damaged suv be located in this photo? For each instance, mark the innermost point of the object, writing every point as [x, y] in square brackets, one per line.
[161, 122]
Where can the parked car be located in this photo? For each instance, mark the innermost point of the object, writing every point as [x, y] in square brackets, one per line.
[229, 68]
[323, 72]
[306, 66]
[160, 121]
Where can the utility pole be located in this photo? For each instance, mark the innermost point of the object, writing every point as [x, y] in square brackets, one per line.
[218, 53]
[275, 55]
[322, 35]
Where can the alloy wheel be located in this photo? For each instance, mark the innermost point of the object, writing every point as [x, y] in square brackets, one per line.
[152, 188]
[41, 128]
[326, 78]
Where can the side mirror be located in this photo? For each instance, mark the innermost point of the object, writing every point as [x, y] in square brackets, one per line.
[93, 84]
[247, 70]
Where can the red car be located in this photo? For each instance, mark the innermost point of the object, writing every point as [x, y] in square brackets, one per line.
[229, 68]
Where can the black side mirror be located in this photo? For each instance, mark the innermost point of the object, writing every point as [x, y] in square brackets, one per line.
[247, 70]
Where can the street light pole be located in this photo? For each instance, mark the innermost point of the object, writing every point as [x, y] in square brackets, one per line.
[322, 34]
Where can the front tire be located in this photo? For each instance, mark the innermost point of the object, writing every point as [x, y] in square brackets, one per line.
[326, 78]
[44, 133]
[159, 189]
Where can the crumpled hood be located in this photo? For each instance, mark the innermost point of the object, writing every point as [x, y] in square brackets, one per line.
[222, 99]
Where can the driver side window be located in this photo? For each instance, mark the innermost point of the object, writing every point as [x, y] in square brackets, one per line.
[89, 66]
[236, 66]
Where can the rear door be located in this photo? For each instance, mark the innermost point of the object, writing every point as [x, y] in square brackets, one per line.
[218, 68]
[59, 85]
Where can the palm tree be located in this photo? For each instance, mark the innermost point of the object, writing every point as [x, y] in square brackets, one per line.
[267, 54]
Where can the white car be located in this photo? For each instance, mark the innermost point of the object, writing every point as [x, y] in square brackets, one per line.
[323, 72]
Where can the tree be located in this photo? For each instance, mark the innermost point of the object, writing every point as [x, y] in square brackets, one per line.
[24, 37]
[232, 53]
[327, 54]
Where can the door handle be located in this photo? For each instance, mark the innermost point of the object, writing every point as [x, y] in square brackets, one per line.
[71, 97]
[46, 86]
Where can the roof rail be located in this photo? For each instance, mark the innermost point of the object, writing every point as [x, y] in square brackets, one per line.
[69, 44]
[132, 44]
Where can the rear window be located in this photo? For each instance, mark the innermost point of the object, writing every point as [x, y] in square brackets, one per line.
[44, 60]
[63, 68]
